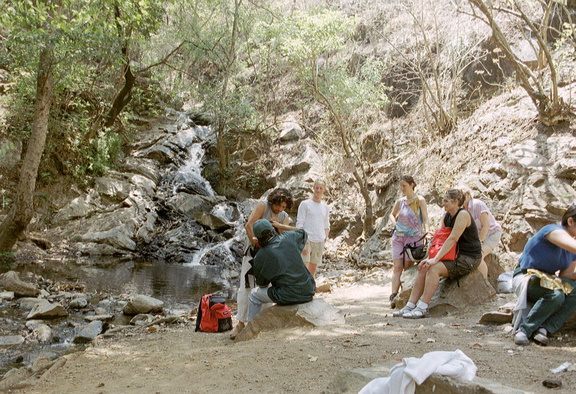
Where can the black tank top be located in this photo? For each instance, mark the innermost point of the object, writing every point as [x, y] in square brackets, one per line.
[469, 242]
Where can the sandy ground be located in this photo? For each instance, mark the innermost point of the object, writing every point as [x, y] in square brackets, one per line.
[179, 360]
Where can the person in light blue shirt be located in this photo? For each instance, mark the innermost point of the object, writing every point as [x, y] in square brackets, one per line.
[552, 253]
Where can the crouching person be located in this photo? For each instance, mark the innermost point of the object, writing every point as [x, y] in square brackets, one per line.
[279, 262]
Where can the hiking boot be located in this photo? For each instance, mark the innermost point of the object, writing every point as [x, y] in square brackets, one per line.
[401, 312]
[417, 313]
[521, 339]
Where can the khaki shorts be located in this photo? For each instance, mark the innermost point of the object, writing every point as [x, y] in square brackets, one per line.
[493, 239]
[463, 265]
[312, 253]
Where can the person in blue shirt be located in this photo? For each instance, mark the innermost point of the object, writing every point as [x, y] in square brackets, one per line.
[549, 261]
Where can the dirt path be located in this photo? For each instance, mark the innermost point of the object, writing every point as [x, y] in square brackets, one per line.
[307, 360]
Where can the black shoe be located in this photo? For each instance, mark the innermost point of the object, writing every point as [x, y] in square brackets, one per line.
[392, 301]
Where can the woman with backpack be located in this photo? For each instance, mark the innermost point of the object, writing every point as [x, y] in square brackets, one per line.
[463, 234]
[410, 220]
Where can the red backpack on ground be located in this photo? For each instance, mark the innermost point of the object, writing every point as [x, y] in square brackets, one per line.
[213, 314]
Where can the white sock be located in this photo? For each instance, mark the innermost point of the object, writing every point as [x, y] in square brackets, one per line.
[422, 305]
[542, 330]
[410, 305]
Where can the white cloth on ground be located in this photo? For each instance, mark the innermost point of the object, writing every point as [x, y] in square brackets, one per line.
[412, 371]
[522, 307]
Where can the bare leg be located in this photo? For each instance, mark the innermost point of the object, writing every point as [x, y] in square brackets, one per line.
[418, 287]
[311, 268]
[483, 267]
[396, 274]
[432, 280]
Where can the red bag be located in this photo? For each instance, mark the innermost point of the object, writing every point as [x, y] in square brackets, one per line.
[438, 239]
[213, 314]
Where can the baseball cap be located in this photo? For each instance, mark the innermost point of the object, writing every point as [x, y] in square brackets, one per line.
[260, 226]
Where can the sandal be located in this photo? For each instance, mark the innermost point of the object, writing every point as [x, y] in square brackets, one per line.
[417, 313]
[403, 311]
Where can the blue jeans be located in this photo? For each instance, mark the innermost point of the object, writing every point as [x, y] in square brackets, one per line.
[551, 307]
[257, 297]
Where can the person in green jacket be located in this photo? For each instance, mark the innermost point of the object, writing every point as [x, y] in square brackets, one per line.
[279, 262]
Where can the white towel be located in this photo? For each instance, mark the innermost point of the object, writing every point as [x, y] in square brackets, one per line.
[411, 371]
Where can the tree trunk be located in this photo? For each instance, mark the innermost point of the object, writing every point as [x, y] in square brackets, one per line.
[23, 208]
[124, 96]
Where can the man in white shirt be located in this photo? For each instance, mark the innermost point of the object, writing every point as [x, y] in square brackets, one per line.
[313, 217]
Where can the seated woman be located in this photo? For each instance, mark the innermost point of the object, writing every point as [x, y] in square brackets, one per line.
[465, 234]
[489, 231]
[551, 251]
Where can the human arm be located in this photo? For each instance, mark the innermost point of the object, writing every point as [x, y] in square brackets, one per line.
[254, 216]
[284, 226]
[425, 218]
[485, 220]
[394, 213]
[570, 272]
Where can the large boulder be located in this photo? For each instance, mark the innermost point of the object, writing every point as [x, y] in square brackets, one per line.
[89, 332]
[451, 295]
[11, 282]
[47, 310]
[316, 313]
[143, 304]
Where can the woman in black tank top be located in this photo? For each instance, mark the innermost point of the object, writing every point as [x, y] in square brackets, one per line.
[465, 235]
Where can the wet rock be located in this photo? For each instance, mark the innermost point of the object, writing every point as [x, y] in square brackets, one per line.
[89, 332]
[7, 295]
[213, 222]
[141, 319]
[43, 333]
[315, 313]
[143, 304]
[11, 340]
[79, 301]
[11, 282]
[47, 310]
[101, 317]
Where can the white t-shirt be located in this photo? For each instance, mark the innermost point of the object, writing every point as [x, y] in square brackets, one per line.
[313, 217]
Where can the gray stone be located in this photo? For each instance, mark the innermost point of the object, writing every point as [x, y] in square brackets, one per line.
[79, 302]
[47, 310]
[291, 132]
[43, 333]
[89, 332]
[101, 317]
[211, 221]
[11, 340]
[315, 313]
[451, 295]
[143, 304]
[118, 237]
[141, 319]
[7, 295]
[192, 204]
[112, 187]
[10, 154]
[11, 282]
[79, 207]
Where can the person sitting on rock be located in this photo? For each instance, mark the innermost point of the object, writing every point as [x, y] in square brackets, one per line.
[279, 262]
[546, 277]
[489, 231]
[465, 234]
[274, 209]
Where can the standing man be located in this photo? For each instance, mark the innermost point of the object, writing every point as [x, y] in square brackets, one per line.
[279, 263]
[314, 218]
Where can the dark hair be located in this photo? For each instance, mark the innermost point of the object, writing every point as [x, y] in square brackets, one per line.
[570, 213]
[455, 194]
[280, 195]
[409, 180]
[267, 235]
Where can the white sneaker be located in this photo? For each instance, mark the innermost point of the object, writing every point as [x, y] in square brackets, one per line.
[521, 339]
